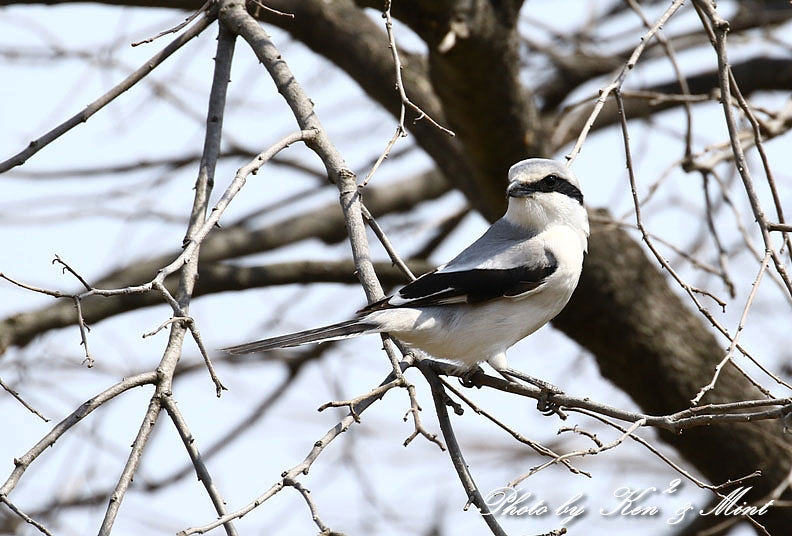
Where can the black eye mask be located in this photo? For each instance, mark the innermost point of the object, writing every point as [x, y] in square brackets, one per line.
[551, 183]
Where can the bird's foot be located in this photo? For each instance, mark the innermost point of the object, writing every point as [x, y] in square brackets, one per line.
[541, 384]
[466, 378]
[545, 403]
[547, 406]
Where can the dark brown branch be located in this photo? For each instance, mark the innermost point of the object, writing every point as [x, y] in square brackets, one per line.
[215, 277]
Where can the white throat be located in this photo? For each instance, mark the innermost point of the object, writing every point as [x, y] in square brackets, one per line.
[539, 214]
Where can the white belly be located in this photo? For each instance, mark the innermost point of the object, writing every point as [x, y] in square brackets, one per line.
[474, 333]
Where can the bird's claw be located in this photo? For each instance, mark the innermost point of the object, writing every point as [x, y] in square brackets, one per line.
[547, 391]
[466, 378]
[546, 406]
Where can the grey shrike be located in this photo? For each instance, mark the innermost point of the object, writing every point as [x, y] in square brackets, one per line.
[503, 287]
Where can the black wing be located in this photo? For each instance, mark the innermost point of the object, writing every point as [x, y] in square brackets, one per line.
[468, 286]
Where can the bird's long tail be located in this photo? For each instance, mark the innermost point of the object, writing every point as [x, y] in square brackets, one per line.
[333, 332]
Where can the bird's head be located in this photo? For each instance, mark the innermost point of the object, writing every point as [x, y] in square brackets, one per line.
[544, 192]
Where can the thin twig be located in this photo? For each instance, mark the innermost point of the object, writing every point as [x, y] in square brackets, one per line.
[620, 77]
[538, 447]
[195, 238]
[455, 452]
[386, 243]
[26, 518]
[783, 227]
[274, 11]
[757, 136]
[162, 326]
[738, 220]
[401, 130]
[219, 387]
[16, 395]
[720, 28]
[683, 85]
[676, 467]
[405, 101]
[696, 263]
[67, 268]
[188, 267]
[580, 453]
[189, 322]
[306, 494]
[302, 107]
[377, 392]
[577, 430]
[178, 27]
[241, 427]
[301, 468]
[691, 291]
[735, 337]
[689, 418]
[713, 229]
[39, 143]
[415, 411]
[22, 463]
[197, 460]
[89, 359]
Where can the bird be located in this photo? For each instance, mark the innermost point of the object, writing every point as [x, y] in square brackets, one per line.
[507, 284]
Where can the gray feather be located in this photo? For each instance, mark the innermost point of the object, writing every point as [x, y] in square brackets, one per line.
[334, 332]
[503, 246]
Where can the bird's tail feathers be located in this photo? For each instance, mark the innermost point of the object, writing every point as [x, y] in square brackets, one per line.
[333, 332]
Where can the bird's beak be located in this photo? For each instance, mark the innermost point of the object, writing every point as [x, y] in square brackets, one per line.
[519, 189]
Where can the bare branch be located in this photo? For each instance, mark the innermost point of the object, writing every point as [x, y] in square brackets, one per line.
[197, 229]
[689, 418]
[539, 448]
[619, 80]
[274, 11]
[401, 131]
[200, 467]
[14, 508]
[215, 277]
[71, 270]
[306, 494]
[176, 28]
[386, 243]
[720, 28]
[22, 463]
[38, 144]
[16, 395]
[301, 468]
[580, 453]
[377, 392]
[455, 452]
[740, 326]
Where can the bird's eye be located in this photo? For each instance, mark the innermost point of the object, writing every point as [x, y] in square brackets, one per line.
[551, 181]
